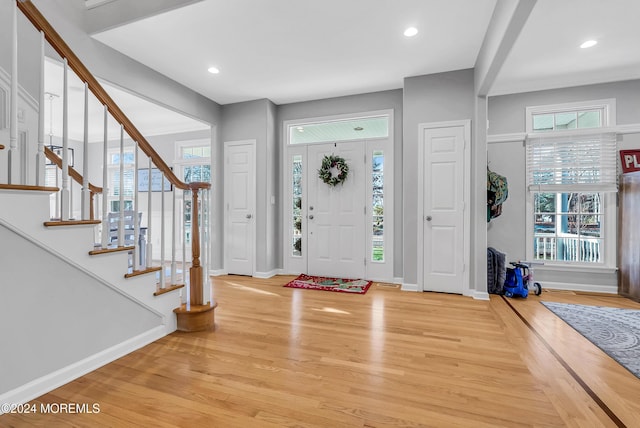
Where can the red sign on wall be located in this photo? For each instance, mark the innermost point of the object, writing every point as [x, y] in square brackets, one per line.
[630, 160]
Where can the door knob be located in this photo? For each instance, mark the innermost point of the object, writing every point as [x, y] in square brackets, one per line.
[248, 215]
[428, 218]
[311, 217]
[311, 208]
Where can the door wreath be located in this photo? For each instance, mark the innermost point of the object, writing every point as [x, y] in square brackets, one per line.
[334, 170]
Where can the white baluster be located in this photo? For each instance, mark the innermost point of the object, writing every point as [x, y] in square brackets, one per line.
[121, 191]
[204, 245]
[136, 209]
[149, 206]
[173, 238]
[162, 232]
[40, 156]
[185, 295]
[65, 194]
[14, 155]
[105, 181]
[86, 195]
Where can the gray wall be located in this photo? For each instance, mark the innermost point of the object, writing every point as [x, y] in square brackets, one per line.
[254, 120]
[54, 315]
[433, 98]
[28, 58]
[383, 100]
[507, 115]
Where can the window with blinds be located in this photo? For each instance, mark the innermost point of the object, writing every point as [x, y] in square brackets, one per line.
[572, 162]
[571, 168]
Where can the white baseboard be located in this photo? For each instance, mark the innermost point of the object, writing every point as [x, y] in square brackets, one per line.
[217, 272]
[47, 383]
[480, 295]
[398, 280]
[265, 275]
[409, 287]
[589, 288]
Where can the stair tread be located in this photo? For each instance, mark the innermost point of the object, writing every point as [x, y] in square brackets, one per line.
[71, 222]
[168, 289]
[100, 250]
[142, 271]
[28, 187]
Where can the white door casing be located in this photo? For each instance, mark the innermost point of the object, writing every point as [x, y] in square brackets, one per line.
[239, 203]
[443, 192]
[336, 214]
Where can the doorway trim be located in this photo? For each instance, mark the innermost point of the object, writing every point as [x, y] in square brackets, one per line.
[227, 179]
[466, 124]
[291, 265]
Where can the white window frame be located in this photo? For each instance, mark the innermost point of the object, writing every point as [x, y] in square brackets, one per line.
[609, 231]
[179, 165]
[114, 170]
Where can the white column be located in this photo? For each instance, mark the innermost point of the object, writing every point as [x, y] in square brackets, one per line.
[65, 195]
[40, 156]
[14, 155]
[86, 195]
[105, 182]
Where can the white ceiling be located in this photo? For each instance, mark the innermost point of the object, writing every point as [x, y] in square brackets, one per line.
[547, 53]
[295, 50]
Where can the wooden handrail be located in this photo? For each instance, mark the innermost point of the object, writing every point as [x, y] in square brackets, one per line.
[54, 39]
[50, 154]
[60, 46]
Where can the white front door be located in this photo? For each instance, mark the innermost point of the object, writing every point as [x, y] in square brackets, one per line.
[240, 200]
[443, 200]
[336, 214]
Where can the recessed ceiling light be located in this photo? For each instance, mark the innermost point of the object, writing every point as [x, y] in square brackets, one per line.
[411, 31]
[213, 70]
[588, 44]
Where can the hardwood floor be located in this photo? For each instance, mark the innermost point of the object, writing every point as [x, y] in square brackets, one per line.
[283, 357]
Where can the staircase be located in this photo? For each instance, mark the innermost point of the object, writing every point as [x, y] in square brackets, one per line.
[70, 299]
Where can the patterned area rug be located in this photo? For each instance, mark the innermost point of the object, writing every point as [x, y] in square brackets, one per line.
[616, 331]
[354, 286]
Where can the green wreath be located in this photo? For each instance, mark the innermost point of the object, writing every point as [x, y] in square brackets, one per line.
[334, 170]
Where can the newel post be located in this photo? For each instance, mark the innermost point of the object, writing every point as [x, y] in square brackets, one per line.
[196, 314]
[195, 273]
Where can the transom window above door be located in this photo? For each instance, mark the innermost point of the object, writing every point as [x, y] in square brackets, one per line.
[339, 130]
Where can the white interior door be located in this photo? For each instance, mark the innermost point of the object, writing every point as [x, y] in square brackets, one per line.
[240, 200]
[443, 187]
[335, 214]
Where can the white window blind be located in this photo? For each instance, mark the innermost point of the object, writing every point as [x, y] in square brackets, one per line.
[572, 162]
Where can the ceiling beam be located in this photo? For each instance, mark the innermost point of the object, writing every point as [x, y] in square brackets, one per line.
[508, 20]
[103, 15]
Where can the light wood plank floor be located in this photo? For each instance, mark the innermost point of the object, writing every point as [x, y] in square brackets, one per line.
[282, 357]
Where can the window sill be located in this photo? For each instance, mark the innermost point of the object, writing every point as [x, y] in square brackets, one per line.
[557, 267]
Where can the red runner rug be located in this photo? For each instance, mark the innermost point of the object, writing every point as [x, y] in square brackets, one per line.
[343, 285]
